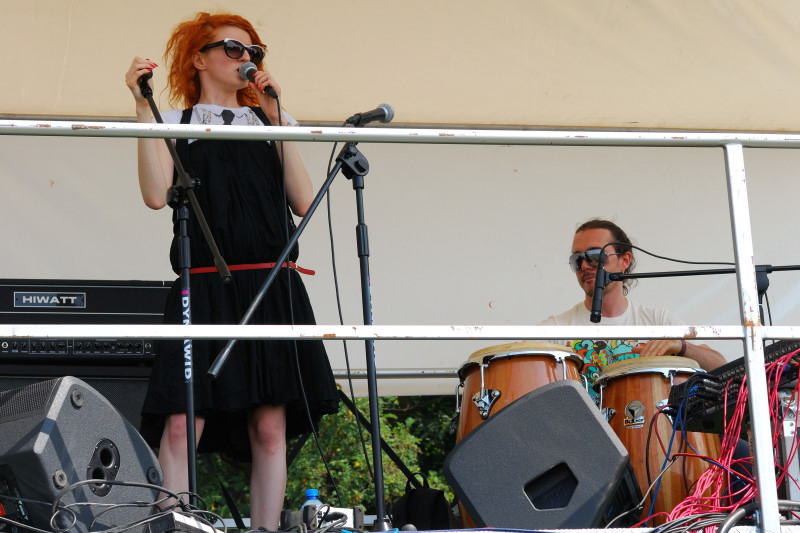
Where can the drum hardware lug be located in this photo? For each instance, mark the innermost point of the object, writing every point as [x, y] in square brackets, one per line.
[664, 402]
[608, 413]
[481, 399]
[454, 420]
[671, 377]
[481, 368]
[486, 402]
[560, 360]
[599, 399]
[788, 409]
[454, 424]
[459, 388]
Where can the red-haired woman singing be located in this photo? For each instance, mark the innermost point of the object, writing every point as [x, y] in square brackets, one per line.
[257, 401]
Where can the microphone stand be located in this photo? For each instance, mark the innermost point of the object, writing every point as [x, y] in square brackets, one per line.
[762, 279]
[177, 197]
[354, 166]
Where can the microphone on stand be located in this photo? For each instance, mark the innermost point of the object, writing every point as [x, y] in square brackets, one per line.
[383, 113]
[600, 282]
[247, 71]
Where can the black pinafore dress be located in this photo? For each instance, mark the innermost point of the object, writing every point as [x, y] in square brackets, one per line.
[241, 195]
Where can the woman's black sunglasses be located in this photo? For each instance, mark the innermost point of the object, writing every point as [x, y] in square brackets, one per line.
[235, 49]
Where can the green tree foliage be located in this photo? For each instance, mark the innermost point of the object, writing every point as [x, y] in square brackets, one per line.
[416, 428]
[429, 418]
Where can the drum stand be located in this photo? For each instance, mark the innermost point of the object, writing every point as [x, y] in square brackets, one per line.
[354, 166]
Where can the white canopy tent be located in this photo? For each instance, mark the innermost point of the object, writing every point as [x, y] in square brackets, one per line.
[458, 234]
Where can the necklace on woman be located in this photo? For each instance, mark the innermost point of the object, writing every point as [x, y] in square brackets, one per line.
[206, 116]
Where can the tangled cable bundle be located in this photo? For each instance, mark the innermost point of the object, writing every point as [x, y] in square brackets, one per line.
[724, 494]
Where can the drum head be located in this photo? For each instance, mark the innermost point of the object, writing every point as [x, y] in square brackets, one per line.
[516, 349]
[661, 364]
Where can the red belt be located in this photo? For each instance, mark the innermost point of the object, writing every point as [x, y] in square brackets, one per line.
[206, 270]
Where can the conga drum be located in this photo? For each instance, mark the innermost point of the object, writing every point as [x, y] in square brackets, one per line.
[494, 377]
[629, 393]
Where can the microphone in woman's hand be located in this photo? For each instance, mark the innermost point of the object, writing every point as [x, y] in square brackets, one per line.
[248, 72]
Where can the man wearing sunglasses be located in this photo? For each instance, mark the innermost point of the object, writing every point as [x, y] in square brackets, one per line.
[618, 310]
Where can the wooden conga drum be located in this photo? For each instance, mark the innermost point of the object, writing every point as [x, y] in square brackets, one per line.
[494, 377]
[629, 393]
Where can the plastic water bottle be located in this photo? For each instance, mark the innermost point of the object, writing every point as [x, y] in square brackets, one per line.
[312, 501]
[312, 498]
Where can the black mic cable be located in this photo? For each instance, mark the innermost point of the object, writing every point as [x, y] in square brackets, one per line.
[247, 70]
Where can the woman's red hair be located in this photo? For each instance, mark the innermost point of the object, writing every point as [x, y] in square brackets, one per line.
[187, 39]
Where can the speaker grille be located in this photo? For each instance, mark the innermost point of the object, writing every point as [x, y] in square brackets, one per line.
[125, 394]
[25, 401]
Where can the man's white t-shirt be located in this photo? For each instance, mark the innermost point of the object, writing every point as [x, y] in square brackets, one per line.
[597, 353]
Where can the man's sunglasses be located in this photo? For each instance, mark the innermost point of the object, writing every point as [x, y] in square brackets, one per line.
[235, 49]
[592, 258]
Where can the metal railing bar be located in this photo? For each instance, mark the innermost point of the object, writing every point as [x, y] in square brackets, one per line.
[399, 135]
[769, 517]
[382, 332]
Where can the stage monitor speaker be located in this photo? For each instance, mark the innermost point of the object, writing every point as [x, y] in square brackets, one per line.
[63, 443]
[546, 461]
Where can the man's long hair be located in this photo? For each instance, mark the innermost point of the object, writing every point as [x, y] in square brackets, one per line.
[617, 236]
